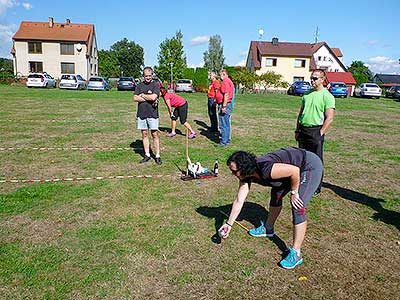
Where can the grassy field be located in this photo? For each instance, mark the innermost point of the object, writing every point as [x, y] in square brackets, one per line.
[154, 238]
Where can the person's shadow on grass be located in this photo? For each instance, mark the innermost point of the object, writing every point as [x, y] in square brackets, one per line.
[205, 130]
[382, 214]
[168, 130]
[251, 212]
[137, 146]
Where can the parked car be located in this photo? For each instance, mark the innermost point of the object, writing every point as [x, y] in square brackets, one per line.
[184, 85]
[70, 81]
[98, 84]
[393, 92]
[126, 84]
[368, 90]
[42, 80]
[338, 89]
[299, 88]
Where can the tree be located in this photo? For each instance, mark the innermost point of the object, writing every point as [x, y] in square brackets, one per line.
[244, 79]
[188, 73]
[271, 79]
[130, 57]
[6, 68]
[361, 72]
[200, 80]
[214, 57]
[171, 56]
[108, 64]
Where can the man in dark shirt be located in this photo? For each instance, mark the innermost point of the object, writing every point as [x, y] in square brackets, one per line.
[146, 95]
[287, 170]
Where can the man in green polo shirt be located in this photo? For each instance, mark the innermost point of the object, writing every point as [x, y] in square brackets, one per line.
[315, 116]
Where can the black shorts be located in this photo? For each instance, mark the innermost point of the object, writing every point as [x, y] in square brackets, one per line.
[181, 112]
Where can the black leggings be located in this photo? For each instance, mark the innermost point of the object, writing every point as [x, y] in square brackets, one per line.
[310, 178]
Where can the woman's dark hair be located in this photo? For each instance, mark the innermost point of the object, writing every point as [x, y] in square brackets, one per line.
[245, 162]
[163, 91]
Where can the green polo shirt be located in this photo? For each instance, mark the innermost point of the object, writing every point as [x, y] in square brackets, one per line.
[314, 105]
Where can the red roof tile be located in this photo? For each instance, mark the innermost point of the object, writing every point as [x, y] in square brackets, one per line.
[59, 32]
[261, 48]
[346, 77]
[337, 52]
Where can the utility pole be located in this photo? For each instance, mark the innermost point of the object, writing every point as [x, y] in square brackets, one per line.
[172, 85]
[316, 35]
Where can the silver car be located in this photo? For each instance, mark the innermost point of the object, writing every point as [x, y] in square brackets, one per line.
[42, 80]
[71, 81]
[184, 85]
[368, 90]
[98, 84]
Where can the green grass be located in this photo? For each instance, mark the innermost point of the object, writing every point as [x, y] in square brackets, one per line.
[147, 238]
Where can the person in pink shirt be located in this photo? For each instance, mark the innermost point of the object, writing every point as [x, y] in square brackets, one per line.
[180, 106]
[214, 97]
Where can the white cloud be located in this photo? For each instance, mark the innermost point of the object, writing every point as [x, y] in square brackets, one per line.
[6, 33]
[373, 42]
[27, 5]
[241, 63]
[199, 65]
[199, 40]
[7, 4]
[383, 64]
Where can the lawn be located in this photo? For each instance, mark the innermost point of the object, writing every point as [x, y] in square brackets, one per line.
[154, 238]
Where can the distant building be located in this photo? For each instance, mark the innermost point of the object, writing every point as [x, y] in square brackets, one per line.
[55, 48]
[294, 61]
[386, 80]
[346, 77]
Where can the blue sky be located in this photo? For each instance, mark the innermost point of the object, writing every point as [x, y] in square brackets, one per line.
[363, 30]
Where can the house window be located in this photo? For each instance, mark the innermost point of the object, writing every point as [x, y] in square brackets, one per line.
[35, 47]
[299, 63]
[67, 49]
[319, 58]
[296, 78]
[270, 62]
[67, 68]
[36, 67]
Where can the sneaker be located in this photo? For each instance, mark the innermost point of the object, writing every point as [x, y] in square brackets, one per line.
[158, 160]
[262, 231]
[145, 159]
[291, 260]
[192, 135]
[171, 134]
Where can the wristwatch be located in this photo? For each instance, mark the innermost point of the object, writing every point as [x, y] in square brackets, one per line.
[294, 192]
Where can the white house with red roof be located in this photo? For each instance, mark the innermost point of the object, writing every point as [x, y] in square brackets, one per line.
[55, 48]
[294, 61]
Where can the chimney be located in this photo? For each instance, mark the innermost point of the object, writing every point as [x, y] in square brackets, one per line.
[51, 22]
[275, 41]
[68, 22]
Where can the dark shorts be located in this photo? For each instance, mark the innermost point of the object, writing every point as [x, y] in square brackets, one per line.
[310, 178]
[181, 112]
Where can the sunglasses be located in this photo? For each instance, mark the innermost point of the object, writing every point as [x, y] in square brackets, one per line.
[314, 78]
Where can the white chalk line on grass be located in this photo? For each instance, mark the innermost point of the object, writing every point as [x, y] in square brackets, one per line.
[4, 149]
[81, 178]
[68, 121]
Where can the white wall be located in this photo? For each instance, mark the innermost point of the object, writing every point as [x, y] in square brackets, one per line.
[331, 63]
[51, 59]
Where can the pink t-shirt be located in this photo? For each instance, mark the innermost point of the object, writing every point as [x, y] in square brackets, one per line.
[174, 99]
[227, 87]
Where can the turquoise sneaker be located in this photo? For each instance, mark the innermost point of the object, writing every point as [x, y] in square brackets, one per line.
[261, 231]
[291, 260]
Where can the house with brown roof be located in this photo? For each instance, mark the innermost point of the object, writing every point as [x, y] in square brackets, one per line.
[294, 61]
[55, 48]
